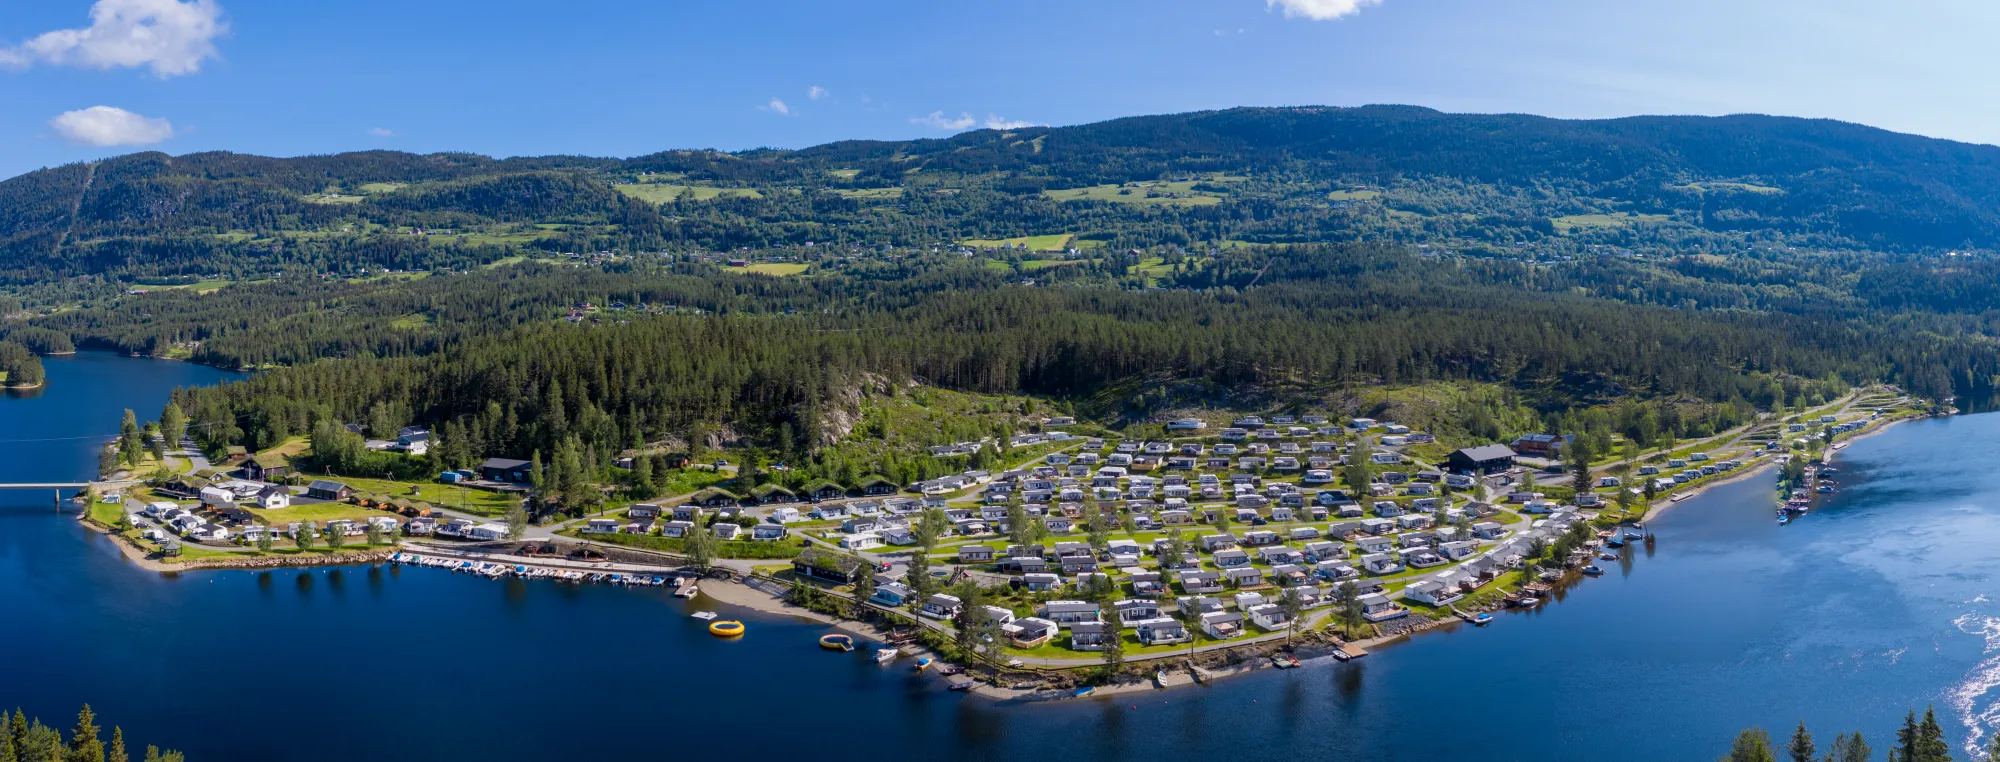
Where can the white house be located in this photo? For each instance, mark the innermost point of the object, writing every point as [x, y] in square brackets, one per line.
[274, 496]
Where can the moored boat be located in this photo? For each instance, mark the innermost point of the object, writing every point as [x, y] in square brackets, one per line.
[886, 655]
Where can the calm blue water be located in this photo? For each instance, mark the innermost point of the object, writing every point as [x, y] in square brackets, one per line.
[1845, 619]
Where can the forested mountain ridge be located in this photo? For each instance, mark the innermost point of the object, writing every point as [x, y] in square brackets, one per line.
[1486, 185]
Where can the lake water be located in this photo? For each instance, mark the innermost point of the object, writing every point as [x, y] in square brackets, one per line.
[1879, 602]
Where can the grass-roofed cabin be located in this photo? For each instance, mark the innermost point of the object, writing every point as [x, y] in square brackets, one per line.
[828, 566]
[772, 493]
[714, 497]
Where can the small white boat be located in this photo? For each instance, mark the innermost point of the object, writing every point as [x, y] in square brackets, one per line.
[686, 591]
[703, 615]
[886, 655]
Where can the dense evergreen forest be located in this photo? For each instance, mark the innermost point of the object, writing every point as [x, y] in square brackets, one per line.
[1122, 269]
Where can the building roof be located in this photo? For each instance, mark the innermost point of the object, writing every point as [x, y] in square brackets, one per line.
[1486, 452]
[504, 464]
[323, 485]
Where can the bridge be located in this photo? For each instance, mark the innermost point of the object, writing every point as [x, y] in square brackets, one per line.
[44, 485]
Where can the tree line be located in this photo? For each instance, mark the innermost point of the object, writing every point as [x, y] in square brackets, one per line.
[25, 739]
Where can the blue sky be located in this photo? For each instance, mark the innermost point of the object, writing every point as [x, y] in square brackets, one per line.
[514, 77]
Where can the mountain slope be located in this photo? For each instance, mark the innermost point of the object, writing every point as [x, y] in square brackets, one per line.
[1471, 182]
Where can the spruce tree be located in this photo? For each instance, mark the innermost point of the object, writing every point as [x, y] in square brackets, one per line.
[1801, 748]
[1931, 746]
[85, 745]
[117, 753]
[1849, 747]
[1751, 745]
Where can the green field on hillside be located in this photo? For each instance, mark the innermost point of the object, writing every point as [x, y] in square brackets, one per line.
[660, 193]
[1147, 193]
[1058, 242]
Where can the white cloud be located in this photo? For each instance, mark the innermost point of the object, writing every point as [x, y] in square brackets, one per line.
[817, 93]
[1320, 10]
[777, 106]
[170, 36]
[938, 120]
[994, 122]
[381, 132]
[111, 126]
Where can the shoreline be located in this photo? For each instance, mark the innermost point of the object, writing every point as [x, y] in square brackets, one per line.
[1660, 507]
[1247, 658]
[144, 560]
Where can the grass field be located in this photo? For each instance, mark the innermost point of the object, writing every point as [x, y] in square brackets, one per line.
[478, 502]
[1729, 187]
[1057, 242]
[845, 174]
[317, 512]
[373, 188]
[1353, 195]
[1148, 193]
[779, 269]
[870, 194]
[199, 287]
[413, 322]
[660, 193]
[1618, 220]
[335, 199]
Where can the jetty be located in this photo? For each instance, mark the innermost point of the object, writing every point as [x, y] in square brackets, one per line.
[44, 485]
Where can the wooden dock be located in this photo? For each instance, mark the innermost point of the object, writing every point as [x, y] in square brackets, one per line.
[45, 485]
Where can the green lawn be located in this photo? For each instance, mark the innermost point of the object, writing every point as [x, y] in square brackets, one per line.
[1353, 195]
[318, 513]
[689, 480]
[106, 514]
[373, 188]
[1057, 242]
[473, 501]
[334, 199]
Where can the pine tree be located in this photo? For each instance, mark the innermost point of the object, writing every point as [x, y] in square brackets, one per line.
[642, 478]
[1849, 747]
[864, 580]
[1907, 740]
[1931, 746]
[1801, 747]
[85, 745]
[117, 753]
[1751, 745]
[18, 731]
